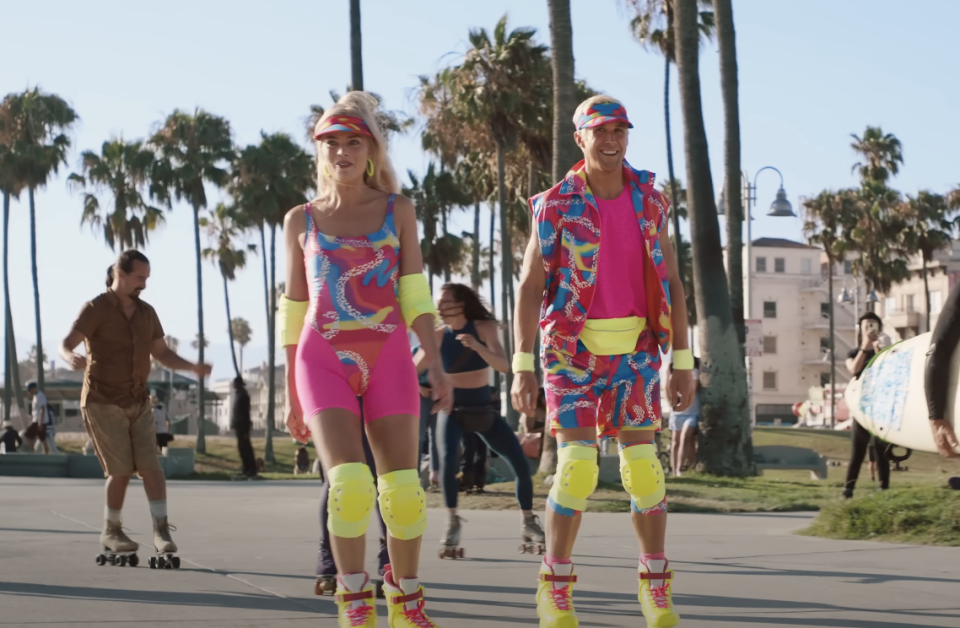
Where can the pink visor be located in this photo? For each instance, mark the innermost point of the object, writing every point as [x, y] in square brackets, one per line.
[603, 113]
[349, 124]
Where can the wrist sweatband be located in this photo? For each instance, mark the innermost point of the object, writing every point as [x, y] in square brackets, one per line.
[290, 320]
[522, 363]
[415, 299]
[683, 360]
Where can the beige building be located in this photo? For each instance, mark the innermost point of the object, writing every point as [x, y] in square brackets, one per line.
[903, 309]
[790, 297]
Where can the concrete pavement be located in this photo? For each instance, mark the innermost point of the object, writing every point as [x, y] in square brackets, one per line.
[249, 551]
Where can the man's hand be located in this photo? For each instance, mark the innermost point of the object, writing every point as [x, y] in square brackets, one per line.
[77, 362]
[869, 341]
[525, 392]
[681, 389]
[945, 438]
[202, 369]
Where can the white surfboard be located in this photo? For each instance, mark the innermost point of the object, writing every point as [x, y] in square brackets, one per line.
[889, 401]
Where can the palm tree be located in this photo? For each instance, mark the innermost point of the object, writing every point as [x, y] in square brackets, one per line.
[356, 50]
[193, 149]
[726, 448]
[827, 219]
[223, 231]
[654, 27]
[931, 224]
[433, 197]
[269, 179]
[565, 151]
[241, 335]
[123, 169]
[882, 152]
[41, 123]
[727, 40]
[10, 185]
[195, 343]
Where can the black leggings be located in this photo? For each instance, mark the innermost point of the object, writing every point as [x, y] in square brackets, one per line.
[861, 441]
[942, 343]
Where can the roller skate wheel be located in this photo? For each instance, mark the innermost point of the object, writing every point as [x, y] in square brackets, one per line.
[122, 561]
[133, 561]
[153, 562]
[175, 561]
[459, 552]
[378, 586]
[101, 559]
[161, 563]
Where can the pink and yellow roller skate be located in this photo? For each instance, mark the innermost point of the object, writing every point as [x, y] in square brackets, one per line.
[555, 597]
[656, 599]
[355, 600]
[405, 602]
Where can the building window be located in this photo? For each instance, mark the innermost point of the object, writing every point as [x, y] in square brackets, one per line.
[769, 309]
[824, 379]
[847, 267]
[909, 303]
[825, 344]
[890, 305]
[825, 310]
[779, 265]
[770, 345]
[806, 266]
[761, 264]
[770, 380]
[936, 302]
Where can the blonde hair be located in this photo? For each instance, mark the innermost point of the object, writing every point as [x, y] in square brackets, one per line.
[361, 105]
[599, 99]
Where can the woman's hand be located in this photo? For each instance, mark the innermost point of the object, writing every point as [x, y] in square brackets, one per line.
[295, 425]
[469, 341]
[440, 390]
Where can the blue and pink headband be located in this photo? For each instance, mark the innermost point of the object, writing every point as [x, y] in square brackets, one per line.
[603, 113]
[335, 124]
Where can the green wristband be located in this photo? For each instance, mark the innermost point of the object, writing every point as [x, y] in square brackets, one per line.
[523, 362]
[683, 360]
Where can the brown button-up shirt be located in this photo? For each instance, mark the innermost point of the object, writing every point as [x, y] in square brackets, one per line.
[118, 350]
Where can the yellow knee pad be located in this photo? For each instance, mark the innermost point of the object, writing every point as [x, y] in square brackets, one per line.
[642, 475]
[352, 493]
[403, 504]
[576, 478]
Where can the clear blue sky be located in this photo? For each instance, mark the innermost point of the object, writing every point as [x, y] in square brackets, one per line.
[811, 73]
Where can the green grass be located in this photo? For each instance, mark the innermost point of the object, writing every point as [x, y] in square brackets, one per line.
[928, 515]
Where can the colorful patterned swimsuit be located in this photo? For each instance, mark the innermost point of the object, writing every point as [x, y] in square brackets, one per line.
[354, 342]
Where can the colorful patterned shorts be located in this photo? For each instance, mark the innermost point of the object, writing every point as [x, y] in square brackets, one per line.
[608, 392]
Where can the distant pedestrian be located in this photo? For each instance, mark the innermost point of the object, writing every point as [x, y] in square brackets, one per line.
[44, 418]
[684, 425]
[161, 421]
[10, 440]
[241, 424]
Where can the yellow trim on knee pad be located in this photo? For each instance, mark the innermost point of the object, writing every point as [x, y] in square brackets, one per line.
[642, 475]
[403, 504]
[576, 478]
[352, 493]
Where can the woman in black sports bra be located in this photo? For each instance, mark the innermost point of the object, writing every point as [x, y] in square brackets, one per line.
[470, 347]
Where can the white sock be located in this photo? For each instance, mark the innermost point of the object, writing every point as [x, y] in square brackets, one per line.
[408, 586]
[354, 583]
[560, 569]
[656, 566]
[158, 508]
[111, 515]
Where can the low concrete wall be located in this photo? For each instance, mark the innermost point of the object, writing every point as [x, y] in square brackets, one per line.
[174, 462]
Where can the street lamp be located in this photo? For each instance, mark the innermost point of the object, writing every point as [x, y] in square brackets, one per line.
[780, 208]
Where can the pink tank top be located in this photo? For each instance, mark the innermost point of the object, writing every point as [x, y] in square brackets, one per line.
[620, 290]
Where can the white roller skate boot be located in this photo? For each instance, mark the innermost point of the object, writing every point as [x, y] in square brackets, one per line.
[532, 536]
[450, 541]
[164, 545]
[118, 548]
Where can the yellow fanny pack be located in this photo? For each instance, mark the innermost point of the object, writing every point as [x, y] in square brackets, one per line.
[612, 336]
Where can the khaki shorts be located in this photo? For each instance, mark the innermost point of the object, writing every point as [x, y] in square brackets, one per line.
[125, 439]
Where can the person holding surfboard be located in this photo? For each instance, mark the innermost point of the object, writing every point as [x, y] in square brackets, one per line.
[936, 382]
[869, 329]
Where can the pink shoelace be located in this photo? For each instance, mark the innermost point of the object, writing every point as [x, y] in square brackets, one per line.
[358, 616]
[417, 617]
[659, 596]
[561, 598]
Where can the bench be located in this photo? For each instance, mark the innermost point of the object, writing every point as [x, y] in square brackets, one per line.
[786, 457]
[174, 462]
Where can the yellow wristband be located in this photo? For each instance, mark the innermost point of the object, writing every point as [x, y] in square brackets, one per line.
[290, 320]
[523, 363]
[415, 299]
[683, 360]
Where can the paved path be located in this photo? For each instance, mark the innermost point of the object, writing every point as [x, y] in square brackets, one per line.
[249, 552]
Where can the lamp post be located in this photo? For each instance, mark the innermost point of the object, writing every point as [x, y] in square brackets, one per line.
[779, 208]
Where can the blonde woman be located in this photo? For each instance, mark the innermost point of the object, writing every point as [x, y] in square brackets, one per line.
[354, 283]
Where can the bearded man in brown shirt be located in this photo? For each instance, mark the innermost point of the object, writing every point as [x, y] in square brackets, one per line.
[121, 333]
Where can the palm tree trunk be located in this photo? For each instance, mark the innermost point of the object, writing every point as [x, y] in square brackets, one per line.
[565, 149]
[266, 276]
[475, 268]
[7, 372]
[833, 349]
[241, 360]
[272, 349]
[446, 261]
[36, 290]
[14, 368]
[201, 339]
[493, 285]
[673, 179]
[926, 290]
[233, 350]
[729, 84]
[513, 419]
[725, 448]
[356, 50]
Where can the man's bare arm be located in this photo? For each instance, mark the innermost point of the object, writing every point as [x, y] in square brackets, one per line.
[67, 350]
[169, 358]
